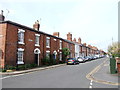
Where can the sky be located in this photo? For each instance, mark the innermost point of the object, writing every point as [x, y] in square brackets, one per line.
[94, 21]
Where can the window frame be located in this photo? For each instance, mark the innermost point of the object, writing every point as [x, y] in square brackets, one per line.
[60, 56]
[20, 54]
[37, 41]
[48, 43]
[48, 52]
[60, 44]
[21, 36]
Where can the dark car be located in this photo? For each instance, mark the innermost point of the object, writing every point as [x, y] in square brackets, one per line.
[72, 61]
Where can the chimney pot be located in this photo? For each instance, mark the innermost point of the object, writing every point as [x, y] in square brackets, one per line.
[79, 40]
[56, 34]
[36, 26]
[84, 44]
[2, 18]
[74, 40]
[69, 36]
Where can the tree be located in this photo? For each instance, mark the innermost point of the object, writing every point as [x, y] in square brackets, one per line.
[114, 49]
[65, 52]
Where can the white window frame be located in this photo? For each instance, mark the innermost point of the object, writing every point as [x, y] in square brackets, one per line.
[47, 52]
[20, 61]
[55, 39]
[55, 53]
[48, 46]
[21, 31]
[60, 56]
[60, 44]
[38, 42]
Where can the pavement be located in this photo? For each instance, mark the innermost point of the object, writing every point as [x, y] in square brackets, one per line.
[31, 70]
[100, 74]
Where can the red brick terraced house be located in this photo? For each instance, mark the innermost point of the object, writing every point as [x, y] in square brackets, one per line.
[20, 44]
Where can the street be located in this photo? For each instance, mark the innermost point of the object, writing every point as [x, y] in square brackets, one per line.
[68, 76]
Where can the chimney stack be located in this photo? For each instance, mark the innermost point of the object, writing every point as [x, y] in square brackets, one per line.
[89, 46]
[74, 40]
[36, 26]
[56, 34]
[79, 40]
[84, 44]
[2, 18]
[69, 36]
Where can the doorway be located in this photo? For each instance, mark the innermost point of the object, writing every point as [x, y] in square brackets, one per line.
[37, 54]
[36, 58]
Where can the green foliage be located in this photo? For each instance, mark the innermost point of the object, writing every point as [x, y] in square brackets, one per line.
[114, 49]
[26, 66]
[49, 60]
[46, 61]
[52, 60]
[8, 67]
[19, 67]
[66, 51]
[4, 70]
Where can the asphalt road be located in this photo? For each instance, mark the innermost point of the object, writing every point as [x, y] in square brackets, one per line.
[68, 76]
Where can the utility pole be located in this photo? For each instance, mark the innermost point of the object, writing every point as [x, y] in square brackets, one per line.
[112, 40]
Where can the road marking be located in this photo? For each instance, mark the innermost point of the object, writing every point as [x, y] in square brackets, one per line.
[90, 75]
[17, 75]
[91, 84]
[5, 77]
[12, 76]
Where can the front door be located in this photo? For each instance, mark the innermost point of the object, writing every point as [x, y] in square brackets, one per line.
[36, 58]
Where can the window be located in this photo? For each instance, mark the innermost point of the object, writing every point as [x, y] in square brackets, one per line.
[37, 43]
[48, 42]
[20, 56]
[60, 56]
[54, 55]
[60, 44]
[48, 54]
[21, 36]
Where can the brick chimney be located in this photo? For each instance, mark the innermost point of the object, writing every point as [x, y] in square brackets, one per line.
[36, 26]
[84, 44]
[56, 34]
[2, 18]
[89, 46]
[69, 36]
[74, 40]
[79, 40]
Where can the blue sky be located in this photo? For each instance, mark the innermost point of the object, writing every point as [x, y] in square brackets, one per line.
[95, 21]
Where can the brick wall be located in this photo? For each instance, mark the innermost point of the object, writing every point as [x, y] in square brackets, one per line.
[2, 43]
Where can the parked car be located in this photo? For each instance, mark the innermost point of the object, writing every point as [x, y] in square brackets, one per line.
[81, 59]
[92, 58]
[72, 61]
[86, 58]
[95, 57]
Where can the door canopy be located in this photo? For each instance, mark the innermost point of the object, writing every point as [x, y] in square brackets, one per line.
[37, 51]
[55, 53]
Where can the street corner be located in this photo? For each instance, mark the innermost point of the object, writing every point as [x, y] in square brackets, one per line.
[101, 74]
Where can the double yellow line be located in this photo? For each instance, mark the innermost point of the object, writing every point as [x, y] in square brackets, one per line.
[90, 76]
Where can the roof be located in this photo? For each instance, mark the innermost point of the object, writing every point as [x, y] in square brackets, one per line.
[31, 29]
